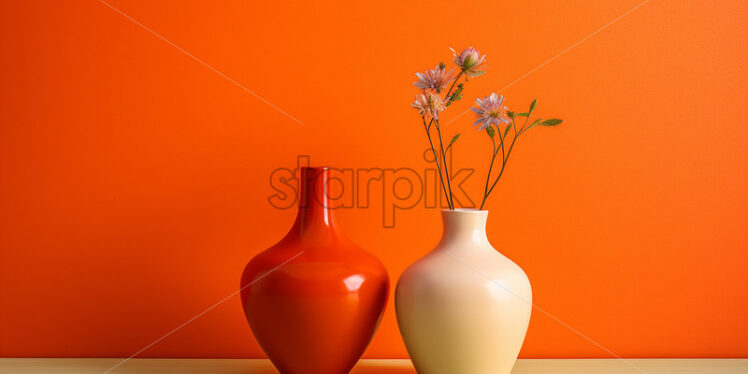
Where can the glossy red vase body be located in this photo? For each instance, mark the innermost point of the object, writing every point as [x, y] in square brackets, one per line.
[314, 299]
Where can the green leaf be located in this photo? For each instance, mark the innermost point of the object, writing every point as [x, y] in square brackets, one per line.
[454, 139]
[532, 106]
[510, 113]
[522, 115]
[490, 131]
[506, 131]
[551, 122]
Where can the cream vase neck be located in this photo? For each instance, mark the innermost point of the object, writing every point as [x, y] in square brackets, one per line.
[464, 225]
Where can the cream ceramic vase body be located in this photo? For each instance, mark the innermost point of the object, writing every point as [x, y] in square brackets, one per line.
[464, 307]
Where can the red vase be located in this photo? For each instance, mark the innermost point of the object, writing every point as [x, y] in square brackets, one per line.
[314, 299]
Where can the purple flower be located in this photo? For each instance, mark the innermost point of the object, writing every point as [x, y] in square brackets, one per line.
[434, 79]
[469, 60]
[490, 110]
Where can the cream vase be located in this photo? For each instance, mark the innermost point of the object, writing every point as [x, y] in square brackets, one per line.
[464, 307]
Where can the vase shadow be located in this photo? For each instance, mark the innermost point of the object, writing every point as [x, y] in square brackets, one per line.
[384, 370]
[383, 367]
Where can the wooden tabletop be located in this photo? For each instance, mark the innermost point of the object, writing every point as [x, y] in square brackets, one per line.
[236, 366]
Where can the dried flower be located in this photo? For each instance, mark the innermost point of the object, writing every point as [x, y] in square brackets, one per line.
[469, 60]
[435, 79]
[490, 110]
[429, 104]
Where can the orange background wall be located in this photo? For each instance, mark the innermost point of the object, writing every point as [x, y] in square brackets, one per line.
[134, 180]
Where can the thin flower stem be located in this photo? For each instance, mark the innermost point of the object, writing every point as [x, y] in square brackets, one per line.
[444, 163]
[503, 167]
[501, 137]
[503, 157]
[516, 133]
[453, 85]
[494, 151]
[448, 190]
[438, 129]
[524, 125]
[436, 159]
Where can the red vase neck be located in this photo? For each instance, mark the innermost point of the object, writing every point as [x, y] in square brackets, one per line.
[315, 217]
